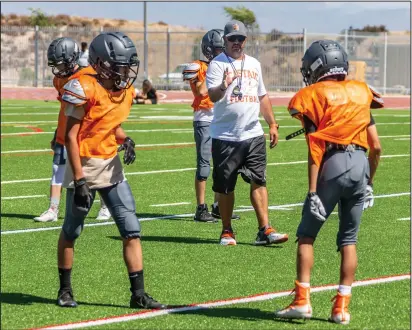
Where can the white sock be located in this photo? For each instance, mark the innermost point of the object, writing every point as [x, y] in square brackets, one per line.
[345, 289]
[305, 285]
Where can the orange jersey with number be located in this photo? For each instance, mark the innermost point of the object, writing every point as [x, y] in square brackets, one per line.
[201, 102]
[105, 111]
[340, 110]
[58, 84]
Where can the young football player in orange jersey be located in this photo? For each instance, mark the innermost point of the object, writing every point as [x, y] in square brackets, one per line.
[97, 105]
[63, 55]
[195, 73]
[336, 116]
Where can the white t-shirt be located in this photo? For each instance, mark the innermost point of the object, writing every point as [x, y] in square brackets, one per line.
[203, 115]
[236, 119]
[84, 58]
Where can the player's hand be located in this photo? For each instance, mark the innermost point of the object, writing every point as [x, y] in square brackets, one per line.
[190, 72]
[129, 153]
[316, 207]
[82, 195]
[369, 199]
[52, 144]
[273, 135]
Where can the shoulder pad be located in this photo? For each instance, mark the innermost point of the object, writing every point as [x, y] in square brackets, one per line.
[73, 93]
[377, 101]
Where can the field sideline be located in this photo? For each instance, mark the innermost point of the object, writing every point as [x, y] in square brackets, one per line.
[220, 287]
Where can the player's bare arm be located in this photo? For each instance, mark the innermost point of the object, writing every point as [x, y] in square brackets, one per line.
[374, 152]
[120, 135]
[72, 146]
[267, 113]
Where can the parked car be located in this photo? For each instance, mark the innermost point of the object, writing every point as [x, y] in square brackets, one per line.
[175, 78]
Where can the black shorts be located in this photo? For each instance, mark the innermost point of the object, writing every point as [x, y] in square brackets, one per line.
[231, 158]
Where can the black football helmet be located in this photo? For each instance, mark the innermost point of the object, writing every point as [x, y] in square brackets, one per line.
[324, 58]
[212, 41]
[63, 51]
[114, 57]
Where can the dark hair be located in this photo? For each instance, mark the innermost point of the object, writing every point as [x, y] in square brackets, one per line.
[84, 44]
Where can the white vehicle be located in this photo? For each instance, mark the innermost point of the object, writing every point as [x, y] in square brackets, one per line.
[175, 77]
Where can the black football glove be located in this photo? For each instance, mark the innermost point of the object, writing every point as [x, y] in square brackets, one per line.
[129, 153]
[82, 195]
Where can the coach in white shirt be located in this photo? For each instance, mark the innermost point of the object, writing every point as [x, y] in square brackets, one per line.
[235, 84]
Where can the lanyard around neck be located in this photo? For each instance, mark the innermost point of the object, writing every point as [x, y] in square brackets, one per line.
[235, 71]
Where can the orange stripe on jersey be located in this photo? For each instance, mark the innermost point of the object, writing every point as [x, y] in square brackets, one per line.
[201, 102]
[59, 84]
[104, 112]
[339, 109]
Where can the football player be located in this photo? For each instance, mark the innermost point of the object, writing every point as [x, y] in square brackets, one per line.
[97, 105]
[195, 73]
[63, 55]
[336, 116]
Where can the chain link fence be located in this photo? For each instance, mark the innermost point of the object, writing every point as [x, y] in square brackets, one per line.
[380, 59]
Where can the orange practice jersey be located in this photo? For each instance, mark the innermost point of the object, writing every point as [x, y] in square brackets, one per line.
[58, 84]
[104, 112]
[339, 109]
[201, 102]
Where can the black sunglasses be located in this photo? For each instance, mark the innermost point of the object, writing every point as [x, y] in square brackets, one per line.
[238, 38]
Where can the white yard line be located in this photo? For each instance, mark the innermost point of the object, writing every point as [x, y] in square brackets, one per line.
[217, 303]
[405, 219]
[171, 204]
[185, 169]
[178, 216]
[22, 197]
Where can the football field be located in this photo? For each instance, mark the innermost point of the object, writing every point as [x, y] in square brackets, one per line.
[234, 287]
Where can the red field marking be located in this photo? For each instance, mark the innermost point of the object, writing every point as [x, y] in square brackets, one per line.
[186, 97]
[34, 129]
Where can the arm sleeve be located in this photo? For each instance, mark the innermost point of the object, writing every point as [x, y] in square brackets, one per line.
[261, 84]
[214, 75]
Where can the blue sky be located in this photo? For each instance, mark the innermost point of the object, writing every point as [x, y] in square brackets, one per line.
[323, 17]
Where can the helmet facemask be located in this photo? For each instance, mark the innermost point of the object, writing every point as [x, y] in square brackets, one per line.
[66, 71]
[123, 75]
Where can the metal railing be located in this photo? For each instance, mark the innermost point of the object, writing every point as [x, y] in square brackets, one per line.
[381, 59]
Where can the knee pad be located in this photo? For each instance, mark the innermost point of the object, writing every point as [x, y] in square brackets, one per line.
[202, 173]
[72, 236]
[58, 175]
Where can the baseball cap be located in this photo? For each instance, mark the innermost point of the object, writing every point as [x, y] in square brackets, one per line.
[235, 28]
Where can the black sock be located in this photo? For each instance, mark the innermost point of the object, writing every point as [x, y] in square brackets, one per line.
[137, 282]
[264, 227]
[64, 276]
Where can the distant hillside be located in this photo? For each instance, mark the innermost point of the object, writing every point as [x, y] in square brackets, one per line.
[62, 20]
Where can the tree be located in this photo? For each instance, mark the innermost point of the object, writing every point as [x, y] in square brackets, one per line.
[245, 15]
[39, 18]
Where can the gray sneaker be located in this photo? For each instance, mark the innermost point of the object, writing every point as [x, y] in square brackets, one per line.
[203, 215]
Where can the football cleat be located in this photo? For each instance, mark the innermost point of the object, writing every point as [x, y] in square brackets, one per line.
[104, 214]
[340, 313]
[145, 301]
[227, 238]
[47, 216]
[270, 236]
[216, 212]
[202, 214]
[300, 308]
[65, 298]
